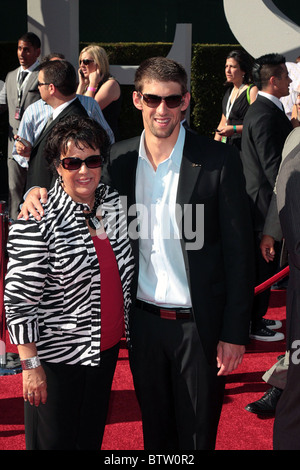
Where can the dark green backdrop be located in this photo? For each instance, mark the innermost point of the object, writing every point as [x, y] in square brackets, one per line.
[137, 21]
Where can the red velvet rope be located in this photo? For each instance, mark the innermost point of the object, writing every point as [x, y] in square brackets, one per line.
[269, 282]
[2, 268]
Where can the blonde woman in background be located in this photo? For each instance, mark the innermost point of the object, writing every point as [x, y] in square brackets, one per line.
[95, 81]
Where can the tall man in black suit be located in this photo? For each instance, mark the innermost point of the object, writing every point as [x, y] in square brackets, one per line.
[19, 91]
[191, 318]
[190, 226]
[57, 82]
[265, 130]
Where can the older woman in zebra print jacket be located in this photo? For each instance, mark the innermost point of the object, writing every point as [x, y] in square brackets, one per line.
[67, 294]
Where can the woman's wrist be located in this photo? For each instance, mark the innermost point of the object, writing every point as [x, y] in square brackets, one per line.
[30, 363]
[91, 88]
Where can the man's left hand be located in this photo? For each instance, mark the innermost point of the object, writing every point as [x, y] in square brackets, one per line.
[229, 357]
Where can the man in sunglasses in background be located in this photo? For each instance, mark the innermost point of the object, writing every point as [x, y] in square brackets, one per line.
[57, 83]
[37, 114]
[193, 284]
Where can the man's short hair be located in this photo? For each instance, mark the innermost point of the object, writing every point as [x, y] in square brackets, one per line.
[51, 56]
[265, 67]
[160, 69]
[62, 74]
[32, 38]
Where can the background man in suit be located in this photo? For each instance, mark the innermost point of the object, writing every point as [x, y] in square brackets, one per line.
[266, 128]
[19, 91]
[57, 84]
[191, 318]
[287, 417]
[277, 374]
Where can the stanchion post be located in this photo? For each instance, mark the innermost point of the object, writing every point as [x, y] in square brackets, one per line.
[2, 276]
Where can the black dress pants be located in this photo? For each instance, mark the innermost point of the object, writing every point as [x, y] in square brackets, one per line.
[263, 271]
[179, 393]
[74, 415]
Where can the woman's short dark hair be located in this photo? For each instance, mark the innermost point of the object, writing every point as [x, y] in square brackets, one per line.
[245, 62]
[83, 131]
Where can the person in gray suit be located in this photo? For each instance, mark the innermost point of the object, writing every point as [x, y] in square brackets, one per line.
[287, 417]
[265, 130]
[276, 376]
[19, 91]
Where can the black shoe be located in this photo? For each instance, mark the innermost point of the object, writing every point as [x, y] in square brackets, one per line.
[266, 334]
[266, 405]
[272, 324]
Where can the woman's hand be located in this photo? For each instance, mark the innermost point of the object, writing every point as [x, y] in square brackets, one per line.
[82, 82]
[226, 131]
[35, 386]
[95, 78]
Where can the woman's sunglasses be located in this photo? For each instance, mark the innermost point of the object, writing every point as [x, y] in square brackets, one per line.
[74, 163]
[85, 61]
[153, 101]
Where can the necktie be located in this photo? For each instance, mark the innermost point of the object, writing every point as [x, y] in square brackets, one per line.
[22, 77]
[48, 123]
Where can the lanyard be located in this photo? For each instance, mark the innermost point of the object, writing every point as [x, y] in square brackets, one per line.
[229, 104]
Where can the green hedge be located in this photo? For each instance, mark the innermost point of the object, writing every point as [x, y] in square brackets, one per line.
[207, 85]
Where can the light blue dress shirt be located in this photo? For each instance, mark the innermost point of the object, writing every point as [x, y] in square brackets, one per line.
[162, 275]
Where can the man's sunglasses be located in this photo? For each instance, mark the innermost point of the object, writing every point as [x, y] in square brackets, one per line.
[85, 61]
[153, 101]
[74, 163]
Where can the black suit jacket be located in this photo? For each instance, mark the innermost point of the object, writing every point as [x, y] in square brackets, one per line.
[38, 171]
[220, 274]
[265, 130]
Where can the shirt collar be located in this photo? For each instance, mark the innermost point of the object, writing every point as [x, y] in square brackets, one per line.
[272, 98]
[31, 68]
[60, 108]
[176, 154]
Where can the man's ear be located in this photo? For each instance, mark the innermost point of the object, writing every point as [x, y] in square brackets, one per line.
[137, 100]
[186, 101]
[51, 88]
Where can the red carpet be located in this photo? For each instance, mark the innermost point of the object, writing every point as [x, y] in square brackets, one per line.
[238, 430]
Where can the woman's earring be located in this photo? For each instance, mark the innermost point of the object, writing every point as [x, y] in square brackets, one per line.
[60, 179]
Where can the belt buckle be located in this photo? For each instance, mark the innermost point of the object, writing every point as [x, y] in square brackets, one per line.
[167, 314]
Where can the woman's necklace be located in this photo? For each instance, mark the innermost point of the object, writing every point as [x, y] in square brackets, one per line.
[91, 217]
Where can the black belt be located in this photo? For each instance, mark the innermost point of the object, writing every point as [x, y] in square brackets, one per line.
[166, 313]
